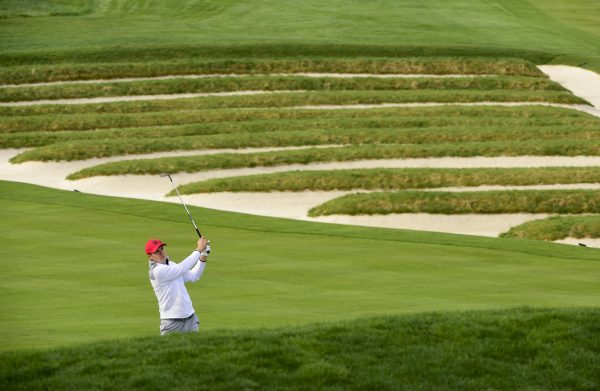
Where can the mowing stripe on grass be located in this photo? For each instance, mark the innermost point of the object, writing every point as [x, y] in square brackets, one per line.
[269, 50]
[494, 123]
[183, 105]
[226, 75]
[83, 101]
[305, 99]
[499, 349]
[585, 108]
[557, 227]
[339, 154]
[394, 179]
[268, 83]
[486, 202]
[125, 145]
[27, 71]
[110, 120]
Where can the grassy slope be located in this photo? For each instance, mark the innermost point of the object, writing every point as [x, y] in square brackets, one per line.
[467, 25]
[516, 349]
[477, 202]
[78, 273]
[198, 163]
[557, 227]
[392, 179]
[270, 83]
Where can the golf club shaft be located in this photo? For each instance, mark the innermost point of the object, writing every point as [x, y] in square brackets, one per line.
[186, 209]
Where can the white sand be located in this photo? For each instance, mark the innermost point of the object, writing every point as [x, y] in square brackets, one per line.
[470, 224]
[584, 108]
[296, 205]
[589, 242]
[108, 99]
[287, 204]
[228, 75]
[53, 174]
[581, 82]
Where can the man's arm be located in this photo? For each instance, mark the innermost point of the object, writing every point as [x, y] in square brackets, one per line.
[162, 274]
[196, 272]
[174, 271]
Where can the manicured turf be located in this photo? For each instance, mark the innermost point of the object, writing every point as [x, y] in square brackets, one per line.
[270, 83]
[75, 270]
[157, 31]
[515, 349]
[404, 65]
[82, 149]
[169, 113]
[557, 227]
[393, 179]
[477, 202]
[407, 129]
[199, 163]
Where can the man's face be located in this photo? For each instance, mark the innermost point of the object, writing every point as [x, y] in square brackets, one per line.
[160, 255]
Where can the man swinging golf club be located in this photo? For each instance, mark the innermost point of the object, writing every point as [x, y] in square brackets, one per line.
[168, 280]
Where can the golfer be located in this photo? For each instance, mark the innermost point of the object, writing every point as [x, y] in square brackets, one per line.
[168, 280]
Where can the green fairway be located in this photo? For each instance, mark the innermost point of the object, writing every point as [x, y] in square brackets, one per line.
[291, 304]
[78, 272]
[467, 25]
[514, 349]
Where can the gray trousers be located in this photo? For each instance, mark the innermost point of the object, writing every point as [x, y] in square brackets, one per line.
[186, 325]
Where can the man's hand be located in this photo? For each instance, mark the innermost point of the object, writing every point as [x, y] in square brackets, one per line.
[201, 245]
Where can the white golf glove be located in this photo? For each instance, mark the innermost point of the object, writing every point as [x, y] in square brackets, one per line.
[206, 250]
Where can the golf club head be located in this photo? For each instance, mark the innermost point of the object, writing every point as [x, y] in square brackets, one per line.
[164, 174]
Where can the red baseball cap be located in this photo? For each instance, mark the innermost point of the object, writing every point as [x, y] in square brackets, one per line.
[152, 245]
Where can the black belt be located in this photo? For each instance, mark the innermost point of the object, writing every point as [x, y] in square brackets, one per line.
[182, 319]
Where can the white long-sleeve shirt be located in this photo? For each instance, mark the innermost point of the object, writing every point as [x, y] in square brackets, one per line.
[168, 281]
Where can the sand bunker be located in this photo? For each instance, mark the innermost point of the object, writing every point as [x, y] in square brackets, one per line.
[296, 204]
[588, 242]
[109, 99]
[583, 108]
[291, 204]
[468, 224]
[581, 82]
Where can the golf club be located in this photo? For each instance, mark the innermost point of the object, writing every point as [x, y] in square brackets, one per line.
[164, 174]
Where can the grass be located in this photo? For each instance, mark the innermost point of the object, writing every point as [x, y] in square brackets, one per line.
[407, 127]
[476, 202]
[72, 70]
[291, 98]
[90, 148]
[277, 52]
[271, 83]
[200, 163]
[37, 8]
[557, 227]
[393, 179]
[91, 284]
[146, 31]
[514, 349]
[181, 111]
